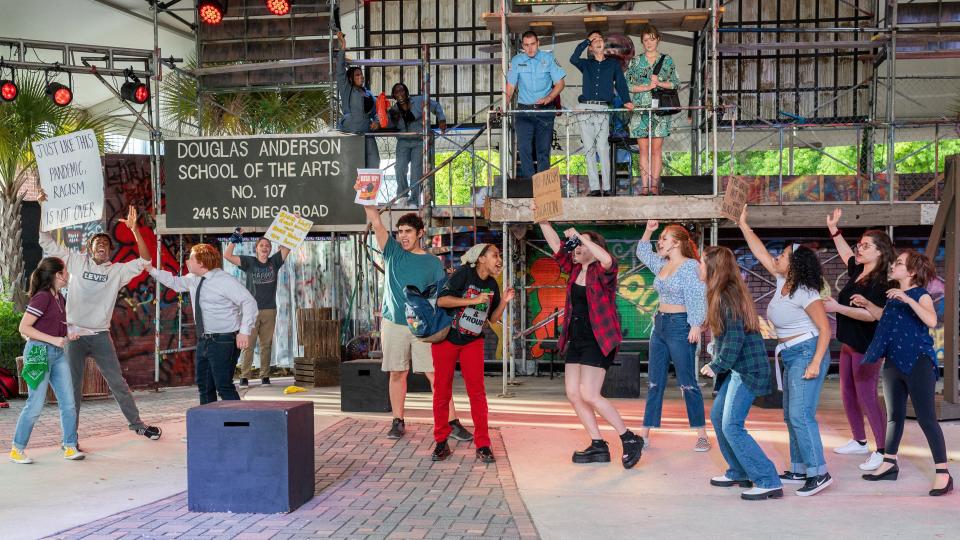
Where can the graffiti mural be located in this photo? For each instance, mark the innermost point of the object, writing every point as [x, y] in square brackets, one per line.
[809, 188]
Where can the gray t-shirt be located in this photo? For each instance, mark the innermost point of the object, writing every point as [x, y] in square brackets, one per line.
[262, 278]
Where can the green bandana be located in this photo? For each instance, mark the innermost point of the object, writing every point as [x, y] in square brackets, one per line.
[35, 366]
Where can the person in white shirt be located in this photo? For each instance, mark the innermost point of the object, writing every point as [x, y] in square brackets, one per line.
[224, 311]
[93, 287]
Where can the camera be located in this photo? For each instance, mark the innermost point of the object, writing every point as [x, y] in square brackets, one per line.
[572, 243]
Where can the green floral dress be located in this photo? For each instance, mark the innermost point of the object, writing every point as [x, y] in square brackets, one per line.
[638, 73]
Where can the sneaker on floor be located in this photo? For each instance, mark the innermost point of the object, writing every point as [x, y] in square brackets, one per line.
[723, 481]
[484, 454]
[397, 428]
[852, 447]
[151, 432]
[244, 383]
[265, 380]
[442, 451]
[872, 463]
[815, 485]
[73, 454]
[459, 432]
[760, 494]
[703, 445]
[17, 456]
[789, 477]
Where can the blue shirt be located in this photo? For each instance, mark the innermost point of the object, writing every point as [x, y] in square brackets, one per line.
[416, 108]
[534, 77]
[682, 288]
[600, 77]
[901, 336]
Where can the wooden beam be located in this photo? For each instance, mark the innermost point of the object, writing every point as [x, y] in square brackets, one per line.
[542, 28]
[633, 26]
[947, 226]
[929, 185]
[854, 215]
[596, 24]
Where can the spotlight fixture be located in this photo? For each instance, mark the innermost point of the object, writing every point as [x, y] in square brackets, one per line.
[8, 87]
[60, 93]
[211, 11]
[278, 7]
[134, 90]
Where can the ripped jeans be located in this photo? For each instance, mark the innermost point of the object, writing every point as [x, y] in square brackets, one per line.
[668, 343]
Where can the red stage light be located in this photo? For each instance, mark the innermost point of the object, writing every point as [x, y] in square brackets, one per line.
[59, 93]
[135, 91]
[8, 90]
[211, 11]
[278, 7]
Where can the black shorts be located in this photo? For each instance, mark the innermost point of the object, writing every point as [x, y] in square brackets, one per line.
[583, 348]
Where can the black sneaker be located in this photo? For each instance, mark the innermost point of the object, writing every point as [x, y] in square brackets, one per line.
[265, 380]
[815, 485]
[595, 453]
[459, 432]
[151, 432]
[483, 454]
[632, 449]
[396, 429]
[789, 477]
[244, 383]
[442, 451]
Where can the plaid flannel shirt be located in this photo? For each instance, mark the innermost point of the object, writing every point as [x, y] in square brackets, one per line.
[601, 288]
[743, 352]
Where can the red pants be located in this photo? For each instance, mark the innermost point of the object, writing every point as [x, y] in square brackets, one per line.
[445, 356]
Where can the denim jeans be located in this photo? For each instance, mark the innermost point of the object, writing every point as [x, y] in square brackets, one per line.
[100, 347]
[534, 134]
[59, 376]
[668, 343]
[744, 456]
[800, 399]
[215, 363]
[409, 156]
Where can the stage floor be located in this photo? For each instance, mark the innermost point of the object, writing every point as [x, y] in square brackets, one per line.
[369, 486]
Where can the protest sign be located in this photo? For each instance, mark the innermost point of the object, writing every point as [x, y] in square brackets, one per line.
[546, 193]
[71, 175]
[288, 230]
[734, 199]
[367, 186]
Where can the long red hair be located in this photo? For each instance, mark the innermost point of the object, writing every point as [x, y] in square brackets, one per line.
[680, 233]
[726, 292]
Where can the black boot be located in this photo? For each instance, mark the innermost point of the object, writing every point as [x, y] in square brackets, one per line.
[597, 452]
[632, 448]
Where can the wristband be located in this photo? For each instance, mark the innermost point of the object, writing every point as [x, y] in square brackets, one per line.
[836, 234]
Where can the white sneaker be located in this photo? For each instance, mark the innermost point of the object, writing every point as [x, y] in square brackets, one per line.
[851, 448]
[872, 463]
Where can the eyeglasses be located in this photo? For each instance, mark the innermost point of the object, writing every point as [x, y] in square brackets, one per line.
[864, 245]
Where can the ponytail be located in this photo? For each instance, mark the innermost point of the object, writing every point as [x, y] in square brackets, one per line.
[680, 233]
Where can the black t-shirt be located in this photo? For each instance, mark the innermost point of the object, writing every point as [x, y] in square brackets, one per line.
[262, 278]
[468, 321]
[859, 334]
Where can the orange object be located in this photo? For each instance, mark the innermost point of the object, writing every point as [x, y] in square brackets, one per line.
[382, 105]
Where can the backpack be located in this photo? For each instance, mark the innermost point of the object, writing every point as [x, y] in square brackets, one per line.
[426, 321]
[8, 384]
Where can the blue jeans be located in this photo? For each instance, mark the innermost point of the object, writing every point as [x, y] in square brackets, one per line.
[58, 376]
[534, 134]
[668, 343]
[744, 456]
[409, 154]
[215, 363]
[800, 399]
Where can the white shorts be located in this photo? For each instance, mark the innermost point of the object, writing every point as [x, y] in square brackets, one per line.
[400, 345]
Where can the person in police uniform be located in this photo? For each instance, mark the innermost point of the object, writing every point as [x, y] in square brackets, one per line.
[540, 80]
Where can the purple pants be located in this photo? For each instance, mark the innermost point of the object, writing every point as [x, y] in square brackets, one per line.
[859, 390]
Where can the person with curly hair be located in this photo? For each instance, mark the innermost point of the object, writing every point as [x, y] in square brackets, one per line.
[803, 335]
[867, 276]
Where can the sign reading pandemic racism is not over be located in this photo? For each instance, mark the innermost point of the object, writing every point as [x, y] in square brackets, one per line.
[228, 181]
[71, 175]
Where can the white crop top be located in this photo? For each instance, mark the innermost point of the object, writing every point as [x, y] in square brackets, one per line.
[788, 314]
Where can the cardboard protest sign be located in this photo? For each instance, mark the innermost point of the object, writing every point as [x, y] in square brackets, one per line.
[288, 230]
[71, 175]
[734, 199]
[367, 186]
[546, 193]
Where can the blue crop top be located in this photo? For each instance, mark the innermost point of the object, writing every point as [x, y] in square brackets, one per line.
[683, 287]
[902, 337]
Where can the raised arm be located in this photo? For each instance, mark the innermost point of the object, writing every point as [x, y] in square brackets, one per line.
[235, 240]
[549, 233]
[645, 250]
[756, 245]
[381, 232]
[604, 258]
[131, 222]
[843, 248]
[177, 283]
[577, 57]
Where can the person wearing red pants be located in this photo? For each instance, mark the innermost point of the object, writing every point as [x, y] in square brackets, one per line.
[473, 296]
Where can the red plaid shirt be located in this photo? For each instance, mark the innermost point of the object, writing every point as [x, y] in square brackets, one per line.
[601, 288]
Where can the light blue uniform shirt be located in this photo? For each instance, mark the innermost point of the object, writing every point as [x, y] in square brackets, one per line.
[534, 77]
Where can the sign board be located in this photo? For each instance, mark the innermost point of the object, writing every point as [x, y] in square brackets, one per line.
[734, 198]
[288, 230]
[231, 181]
[71, 174]
[546, 193]
[367, 186]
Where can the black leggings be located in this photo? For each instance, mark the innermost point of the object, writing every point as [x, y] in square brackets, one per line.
[921, 386]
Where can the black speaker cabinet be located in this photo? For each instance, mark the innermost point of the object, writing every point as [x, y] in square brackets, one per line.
[364, 387]
[517, 188]
[418, 382]
[686, 185]
[623, 378]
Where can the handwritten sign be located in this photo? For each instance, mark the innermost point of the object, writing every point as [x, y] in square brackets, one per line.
[367, 186]
[288, 230]
[546, 193]
[734, 199]
[72, 177]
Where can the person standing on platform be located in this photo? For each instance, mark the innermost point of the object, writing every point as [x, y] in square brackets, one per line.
[406, 263]
[601, 76]
[903, 338]
[867, 269]
[358, 105]
[472, 293]
[645, 73]
[225, 313]
[407, 116]
[740, 362]
[590, 338]
[803, 336]
[45, 326]
[677, 325]
[262, 272]
[94, 284]
[539, 79]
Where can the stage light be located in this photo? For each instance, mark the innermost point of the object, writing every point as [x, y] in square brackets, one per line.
[134, 90]
[8, 90]
[59, 93]
[278, 7]
[211, 11]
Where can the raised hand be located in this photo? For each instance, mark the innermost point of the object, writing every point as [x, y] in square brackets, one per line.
[833, 218]
[652, 225]
[509, 294]
[743, 216]
[131, 221]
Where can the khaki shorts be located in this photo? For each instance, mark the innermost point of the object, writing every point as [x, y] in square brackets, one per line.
[399, 345]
